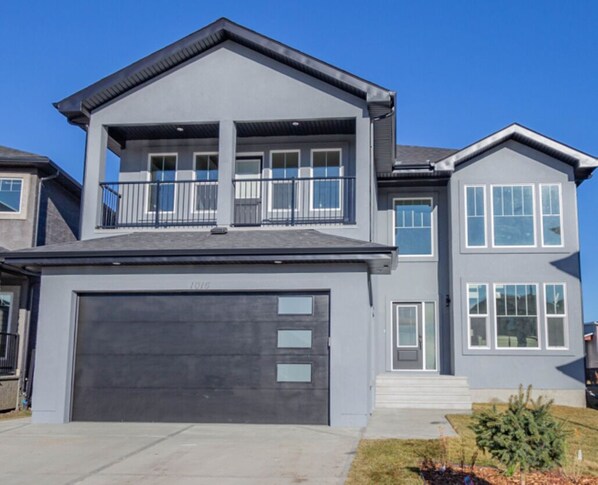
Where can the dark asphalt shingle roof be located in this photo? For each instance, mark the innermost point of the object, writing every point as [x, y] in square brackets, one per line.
[235, 241]
[418, 155]
[14, 154]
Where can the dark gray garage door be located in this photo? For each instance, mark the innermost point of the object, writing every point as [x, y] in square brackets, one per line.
[227, 357]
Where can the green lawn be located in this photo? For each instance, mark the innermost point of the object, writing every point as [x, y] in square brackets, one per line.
[397, 461]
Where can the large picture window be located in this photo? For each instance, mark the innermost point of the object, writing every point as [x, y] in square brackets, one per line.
[413, 227]
[513, 215]
[206, 172]
[10, 195]
[162, 169]
[516, 316]
[475, 198]
[551, 215]
[556, 316]
[477, 316]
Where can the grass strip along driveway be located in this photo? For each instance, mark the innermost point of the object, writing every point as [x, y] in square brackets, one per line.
[398, 461]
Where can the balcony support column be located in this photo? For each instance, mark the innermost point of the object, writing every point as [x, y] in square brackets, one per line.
[227, 147]
[95, 169]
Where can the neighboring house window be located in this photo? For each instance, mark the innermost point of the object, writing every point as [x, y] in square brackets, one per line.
[477, 312]
[5, 304]
[10, 195]
[206, 172]
[475, 198]
[326, 193]
[556, 317]
[162, 168]
[513, 215]
[413, 227]
[551, 215]
[285, 166]
[516, 316]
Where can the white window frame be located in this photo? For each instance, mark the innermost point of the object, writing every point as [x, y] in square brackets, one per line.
[540, 205]
[485, 245]
[11, 310]
[487, 315]
[341, 172]
[271, 184]
[535, 244]
[194, 192]
[248, 155]
[432, 227]
[12, 179]
[538, 315]
[417, 320]
[564, 316]
[149, 179]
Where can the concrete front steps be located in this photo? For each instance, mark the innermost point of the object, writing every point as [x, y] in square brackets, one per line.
[395, 390]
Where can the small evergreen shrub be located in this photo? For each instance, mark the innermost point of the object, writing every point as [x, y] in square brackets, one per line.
[525, 436]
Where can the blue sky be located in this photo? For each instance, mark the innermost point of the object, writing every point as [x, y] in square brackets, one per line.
[461, 69]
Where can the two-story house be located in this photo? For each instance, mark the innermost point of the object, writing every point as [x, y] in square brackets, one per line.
[242, 208]
[39, 204]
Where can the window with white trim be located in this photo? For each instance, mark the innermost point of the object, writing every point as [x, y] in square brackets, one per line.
[477, 316]
[326, 193]
[551, 215]
[516, 316]
[206, 173]
[556, 316]
[513, 215]
[162, 169]
[475, 211]
[413, 227]
[10, 195]
[285, 168]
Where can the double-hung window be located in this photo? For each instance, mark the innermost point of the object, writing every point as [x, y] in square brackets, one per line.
[162, 170]
[285, 170]
[551, 215]
[206, 174]
[326, 164]
[556, 316]
[10, 195]
[475, 210]
[516, 316]
[513, 215]
[477, 313]
[413, 227]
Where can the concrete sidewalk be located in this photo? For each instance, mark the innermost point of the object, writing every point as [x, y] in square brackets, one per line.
[119, 453]
[410, 424]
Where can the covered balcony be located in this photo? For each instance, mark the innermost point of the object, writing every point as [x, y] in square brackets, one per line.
[287, 173]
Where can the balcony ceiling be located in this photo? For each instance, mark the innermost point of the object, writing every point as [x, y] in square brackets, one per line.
[303, 128]
[122, 134]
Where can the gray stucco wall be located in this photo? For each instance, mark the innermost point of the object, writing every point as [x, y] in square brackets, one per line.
[415, 279]
[227, 84]
[501, 369]
[350, 400]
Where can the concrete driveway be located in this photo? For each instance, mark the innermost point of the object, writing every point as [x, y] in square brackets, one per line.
[100, 453]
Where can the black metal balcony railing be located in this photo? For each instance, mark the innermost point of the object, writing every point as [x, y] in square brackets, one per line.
[158, 204]
[294, 201]
[9, 352]
[257, 201]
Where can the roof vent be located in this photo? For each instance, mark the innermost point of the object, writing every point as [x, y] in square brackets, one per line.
[218, 230]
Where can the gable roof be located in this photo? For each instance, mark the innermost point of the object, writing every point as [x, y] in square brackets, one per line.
[583, 163]
[78, 106]
[15, 159]
[418, 155]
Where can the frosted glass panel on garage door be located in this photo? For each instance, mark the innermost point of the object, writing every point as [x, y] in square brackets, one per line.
[295, 305]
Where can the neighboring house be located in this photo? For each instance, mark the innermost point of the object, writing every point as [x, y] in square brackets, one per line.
[39, 204]
[591, 341]
[297, 307]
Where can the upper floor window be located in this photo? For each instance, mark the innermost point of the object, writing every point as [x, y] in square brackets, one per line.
[556, 317]
[162, 168]
[285, 167]
[206, 172]
[551, 215]
[326, 193]
[513, 215]
[413, 227]
[475, 198]
[477, 312]
[516, 316]
[10, 195]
